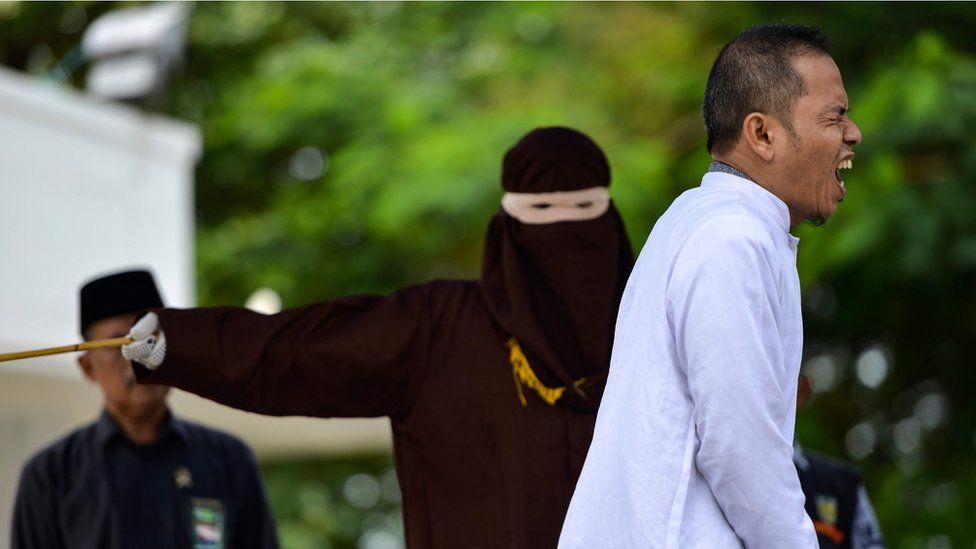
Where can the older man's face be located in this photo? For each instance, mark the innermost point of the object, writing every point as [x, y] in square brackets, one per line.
[113, 373]
[825, 137]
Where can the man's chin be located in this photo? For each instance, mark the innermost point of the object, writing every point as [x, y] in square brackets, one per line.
[145, 408]
[148, 396]
[817, 221]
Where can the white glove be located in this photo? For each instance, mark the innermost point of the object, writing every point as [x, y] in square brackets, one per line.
[148, 345]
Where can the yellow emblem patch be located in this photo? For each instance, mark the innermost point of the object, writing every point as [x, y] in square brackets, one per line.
[827, 509]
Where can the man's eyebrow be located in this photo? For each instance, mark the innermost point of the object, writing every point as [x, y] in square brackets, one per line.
[839, 110]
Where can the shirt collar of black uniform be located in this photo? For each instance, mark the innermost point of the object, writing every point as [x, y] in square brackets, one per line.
[106, 429]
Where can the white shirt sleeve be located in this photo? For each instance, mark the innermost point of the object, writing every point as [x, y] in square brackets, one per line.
[724, 305]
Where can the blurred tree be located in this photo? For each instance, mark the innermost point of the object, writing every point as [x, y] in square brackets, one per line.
[357, 147]
[339, 503]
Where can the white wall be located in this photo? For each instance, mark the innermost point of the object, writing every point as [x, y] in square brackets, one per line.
[85, 188]
[88, 188]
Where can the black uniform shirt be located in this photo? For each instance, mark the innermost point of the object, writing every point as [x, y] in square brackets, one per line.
[192, 487]
[837, 502]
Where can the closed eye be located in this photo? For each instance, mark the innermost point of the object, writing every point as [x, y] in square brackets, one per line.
[837, 113]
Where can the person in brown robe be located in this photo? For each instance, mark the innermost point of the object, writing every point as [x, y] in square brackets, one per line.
[491, 385]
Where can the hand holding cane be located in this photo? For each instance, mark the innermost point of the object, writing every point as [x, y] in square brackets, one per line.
[146, 344]
[87, 345]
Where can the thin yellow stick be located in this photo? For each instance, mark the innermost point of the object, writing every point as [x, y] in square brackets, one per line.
[116, 342]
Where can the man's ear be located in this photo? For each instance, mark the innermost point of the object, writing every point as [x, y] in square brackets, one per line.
[84, 362]
[758, 132]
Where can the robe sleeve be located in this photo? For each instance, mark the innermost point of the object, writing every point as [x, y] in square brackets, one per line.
[724, 305]
[359, 356]
[35, 518]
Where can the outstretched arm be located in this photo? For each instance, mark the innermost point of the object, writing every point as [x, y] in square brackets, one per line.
[357, 356]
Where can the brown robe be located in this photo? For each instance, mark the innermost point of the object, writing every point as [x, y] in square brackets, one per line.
[476, 466]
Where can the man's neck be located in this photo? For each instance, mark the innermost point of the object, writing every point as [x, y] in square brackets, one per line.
[141, 429]
[722, 167]
[734, 162]
[738, 164]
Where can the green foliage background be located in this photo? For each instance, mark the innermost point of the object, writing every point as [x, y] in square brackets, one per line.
[357, 147]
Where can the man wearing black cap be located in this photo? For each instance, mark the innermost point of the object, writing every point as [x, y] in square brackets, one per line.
[491, 385]
[137, 477]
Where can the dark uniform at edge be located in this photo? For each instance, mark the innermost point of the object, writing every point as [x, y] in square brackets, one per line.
[837, 502]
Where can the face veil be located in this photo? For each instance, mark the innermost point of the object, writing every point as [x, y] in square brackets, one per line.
[555, 285]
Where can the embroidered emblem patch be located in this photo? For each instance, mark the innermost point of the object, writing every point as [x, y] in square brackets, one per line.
[182, 477]
[827, 509]
[208, 523]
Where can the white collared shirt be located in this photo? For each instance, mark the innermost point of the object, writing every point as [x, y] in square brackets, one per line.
[693, 440]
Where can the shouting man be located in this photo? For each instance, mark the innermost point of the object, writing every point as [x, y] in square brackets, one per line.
[693, 443]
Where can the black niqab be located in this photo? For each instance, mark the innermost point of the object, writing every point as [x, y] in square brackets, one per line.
[556, 287]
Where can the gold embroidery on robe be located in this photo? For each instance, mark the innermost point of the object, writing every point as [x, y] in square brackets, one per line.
[523, 375]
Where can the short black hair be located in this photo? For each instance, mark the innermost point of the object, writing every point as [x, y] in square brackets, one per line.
[754, 73]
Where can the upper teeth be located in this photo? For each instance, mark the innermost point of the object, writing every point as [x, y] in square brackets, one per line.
[845, 165]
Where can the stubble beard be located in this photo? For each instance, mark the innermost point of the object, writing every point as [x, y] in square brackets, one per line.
[819, 220]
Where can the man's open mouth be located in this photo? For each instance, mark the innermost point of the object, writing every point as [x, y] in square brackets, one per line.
[843, 165]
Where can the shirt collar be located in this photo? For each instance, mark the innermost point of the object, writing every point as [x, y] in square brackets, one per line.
[769, 205]
[107, 429]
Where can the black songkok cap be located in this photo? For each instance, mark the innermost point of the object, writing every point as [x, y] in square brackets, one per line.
[117, 294]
